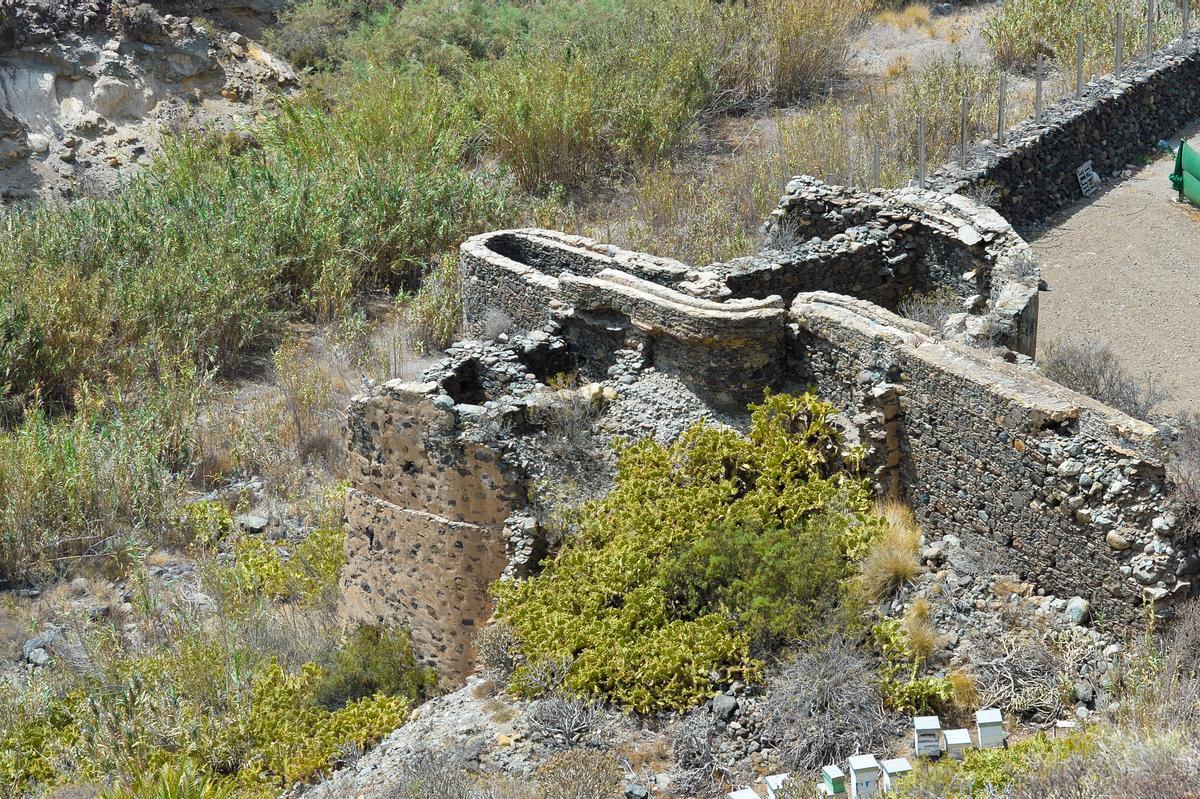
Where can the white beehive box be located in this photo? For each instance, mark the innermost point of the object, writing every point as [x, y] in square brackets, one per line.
[957, 742]
[775, 782]
[893, 770]
[833, 783]
[989, 729]
[864, 776]
[927, 736]
[743, 793]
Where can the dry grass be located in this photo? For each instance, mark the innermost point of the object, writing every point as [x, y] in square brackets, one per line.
[700, 213]
[898, 66]
[922, 635]
[14, 630]
[892, 561]
[916, 15]
[966, 694]
[1093, 368]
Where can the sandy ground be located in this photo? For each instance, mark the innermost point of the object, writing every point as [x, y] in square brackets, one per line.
[1124, 268]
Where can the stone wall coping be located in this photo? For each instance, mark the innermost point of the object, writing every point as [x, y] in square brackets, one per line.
[580, 246]
[656, 307]
[1043, 399]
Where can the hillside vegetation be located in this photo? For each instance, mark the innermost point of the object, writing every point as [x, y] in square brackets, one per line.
[169, 354]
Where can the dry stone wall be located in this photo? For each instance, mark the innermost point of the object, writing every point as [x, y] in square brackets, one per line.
[1117, 120]
[1066, 492]
[883, 247]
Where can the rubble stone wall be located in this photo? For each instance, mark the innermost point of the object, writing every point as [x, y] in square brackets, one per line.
[425, 521]
[1036, 479]
[1066, 492]
[886, 247]
[1117, 120]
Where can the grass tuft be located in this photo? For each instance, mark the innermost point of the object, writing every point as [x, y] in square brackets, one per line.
[892, 560]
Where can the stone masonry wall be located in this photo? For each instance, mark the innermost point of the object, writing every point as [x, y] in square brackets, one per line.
[426, 518]
[1035, 478]
[1118, 119]
[1067, 492]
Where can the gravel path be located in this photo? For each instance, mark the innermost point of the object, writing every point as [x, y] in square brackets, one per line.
[1125, 268]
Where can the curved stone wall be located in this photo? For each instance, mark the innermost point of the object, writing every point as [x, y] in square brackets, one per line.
[883, 246]
[1036, 479]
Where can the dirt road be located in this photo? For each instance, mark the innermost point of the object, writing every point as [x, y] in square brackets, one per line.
[1125, 268]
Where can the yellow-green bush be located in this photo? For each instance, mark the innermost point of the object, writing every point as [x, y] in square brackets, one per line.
[903, 686]
[239, 717]
[610, 604]
[263, 569]
[984, 772]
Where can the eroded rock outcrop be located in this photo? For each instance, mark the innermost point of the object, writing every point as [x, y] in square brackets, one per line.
[87, 87]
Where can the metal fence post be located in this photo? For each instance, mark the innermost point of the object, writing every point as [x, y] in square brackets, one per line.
[876, 179]
[962, 135]
[1037, 101]
[1187, 18]
[1150, 28]
[1003, 98]
[1120, 42]
[921, 151]
[1079, 64]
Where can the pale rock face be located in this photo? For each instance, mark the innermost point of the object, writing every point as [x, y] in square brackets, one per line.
[86, 87]
[115, 98]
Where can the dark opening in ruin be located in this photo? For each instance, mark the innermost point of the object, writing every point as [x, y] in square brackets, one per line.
[465, 384]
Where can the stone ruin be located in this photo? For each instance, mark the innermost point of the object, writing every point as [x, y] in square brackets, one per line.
[1038, 480]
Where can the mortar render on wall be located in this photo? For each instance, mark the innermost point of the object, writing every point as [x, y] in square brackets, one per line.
[426, 516]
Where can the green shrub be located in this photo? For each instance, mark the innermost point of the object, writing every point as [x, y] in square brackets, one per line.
[215, 245]
[179, 780]
[310, 35]
[73, 486]
[375, 660]
[628, 89]
[607, 606]
[777, 581]
[434, 316]
[904, 688]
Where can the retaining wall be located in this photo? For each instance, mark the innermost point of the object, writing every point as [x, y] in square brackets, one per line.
[1116, 122]
[1066, 492]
